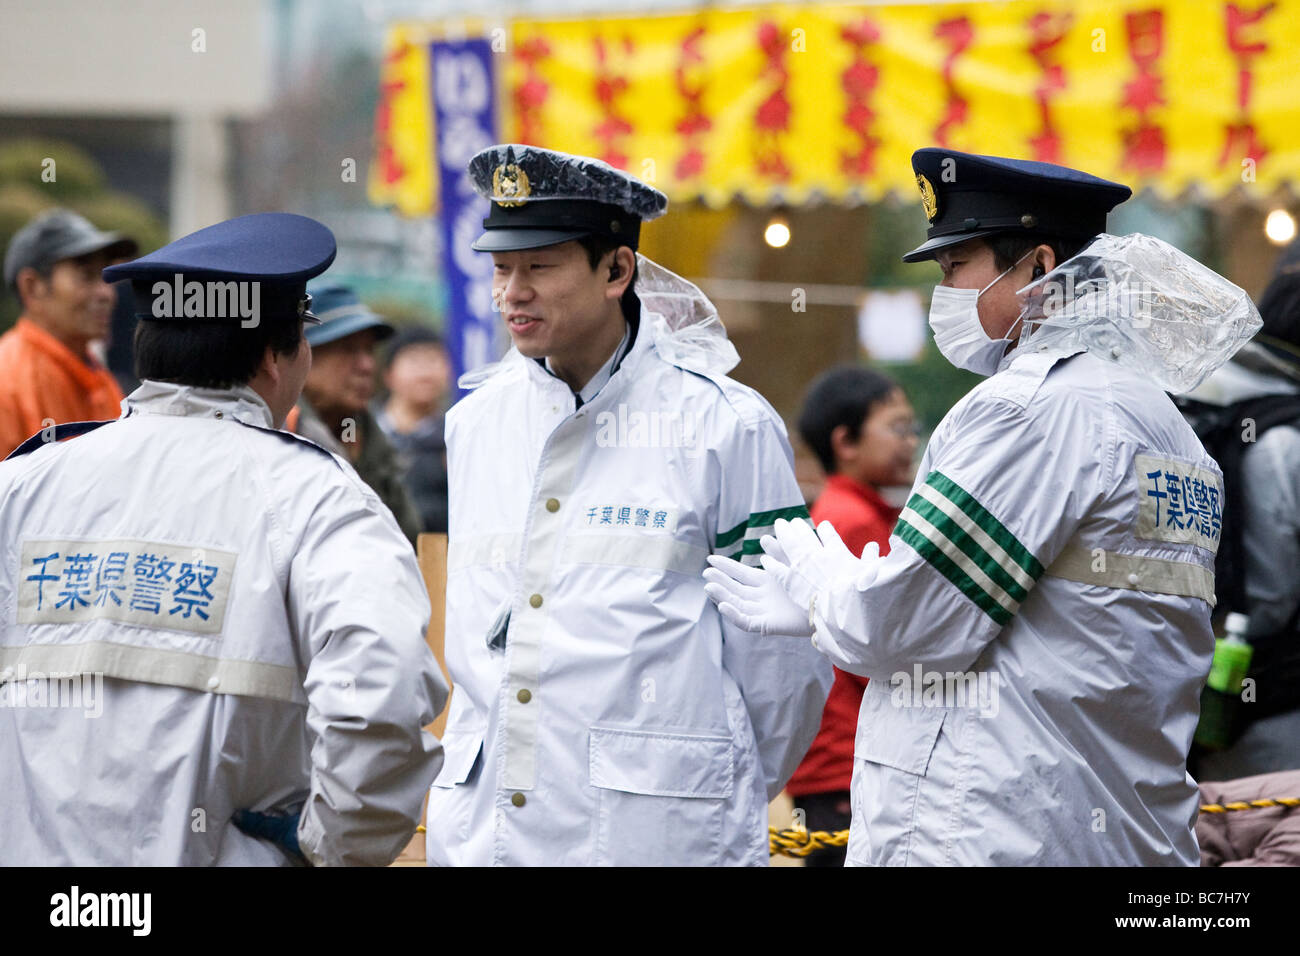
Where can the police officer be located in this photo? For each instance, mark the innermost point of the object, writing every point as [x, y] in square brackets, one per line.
[603, 712]
[234, 606]
[1039, 632]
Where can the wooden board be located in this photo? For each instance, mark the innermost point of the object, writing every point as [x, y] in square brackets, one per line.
[431, 553]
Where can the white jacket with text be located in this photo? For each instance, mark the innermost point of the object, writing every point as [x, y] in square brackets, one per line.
[603, 713]
[240, 626]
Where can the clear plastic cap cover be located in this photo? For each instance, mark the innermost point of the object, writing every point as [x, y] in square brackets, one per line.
[1141, 303]
[686, 327]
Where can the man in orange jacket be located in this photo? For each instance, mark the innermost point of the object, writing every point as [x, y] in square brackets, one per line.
[47, 374]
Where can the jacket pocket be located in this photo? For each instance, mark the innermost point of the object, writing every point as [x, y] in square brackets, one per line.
[447, 817]
[892, 754]
[460, 752]
[661, 796]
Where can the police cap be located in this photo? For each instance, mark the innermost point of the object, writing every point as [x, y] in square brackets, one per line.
[970, 197]
[541, 197]
[251, 264]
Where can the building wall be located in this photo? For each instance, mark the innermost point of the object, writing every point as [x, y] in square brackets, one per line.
[133, 59]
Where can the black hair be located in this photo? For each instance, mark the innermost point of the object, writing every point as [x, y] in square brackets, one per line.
[1279, 307]
[411, 335]
[842, 396]
[210, 354]
[1010, 247]
[597, 247]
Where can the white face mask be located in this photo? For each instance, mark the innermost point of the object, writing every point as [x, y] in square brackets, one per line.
[955, 319]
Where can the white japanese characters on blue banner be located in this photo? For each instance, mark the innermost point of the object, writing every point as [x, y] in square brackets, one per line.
[464, 95]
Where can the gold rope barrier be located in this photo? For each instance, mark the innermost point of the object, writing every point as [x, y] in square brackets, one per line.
[1250, 805]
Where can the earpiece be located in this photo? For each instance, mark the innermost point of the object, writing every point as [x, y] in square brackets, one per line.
[1038, 272]
[614, 272]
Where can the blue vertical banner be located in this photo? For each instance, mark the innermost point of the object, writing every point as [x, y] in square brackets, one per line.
[464, 95]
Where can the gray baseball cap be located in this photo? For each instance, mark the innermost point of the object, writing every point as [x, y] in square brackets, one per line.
[59, 234]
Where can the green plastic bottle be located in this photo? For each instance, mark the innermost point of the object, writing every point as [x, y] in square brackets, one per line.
[1221, 697]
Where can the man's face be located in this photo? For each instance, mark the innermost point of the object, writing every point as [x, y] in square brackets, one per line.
[971, 266]
[294, 370]
[342, 376]
[553, 302]
[419, 374]
[280, 378]
[75, 303]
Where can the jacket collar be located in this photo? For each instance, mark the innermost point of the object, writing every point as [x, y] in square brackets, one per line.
[311, 425]
[867, 493]
[605, 372]
[87, 372]
[1053, 353]
[166, 398]
[617, 372]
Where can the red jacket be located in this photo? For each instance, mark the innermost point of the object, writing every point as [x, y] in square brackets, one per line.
[860, 515]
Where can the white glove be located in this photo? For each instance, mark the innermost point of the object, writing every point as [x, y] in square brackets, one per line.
[805, 563]
[753, 600]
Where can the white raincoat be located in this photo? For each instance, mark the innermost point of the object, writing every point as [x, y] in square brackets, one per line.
[1039, 633]
[241, 626]
[614, 718]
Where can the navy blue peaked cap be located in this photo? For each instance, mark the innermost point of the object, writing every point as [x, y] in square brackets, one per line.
[967, 196]
[277, 251]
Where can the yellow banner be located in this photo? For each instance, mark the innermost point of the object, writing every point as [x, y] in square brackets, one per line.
[791, 102]
[402, 169]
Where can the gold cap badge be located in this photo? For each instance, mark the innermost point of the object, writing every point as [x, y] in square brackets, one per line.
[928, 199]
[509, 185]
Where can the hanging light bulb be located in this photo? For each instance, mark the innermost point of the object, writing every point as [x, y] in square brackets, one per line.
[1279, 227]
[777, 233]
